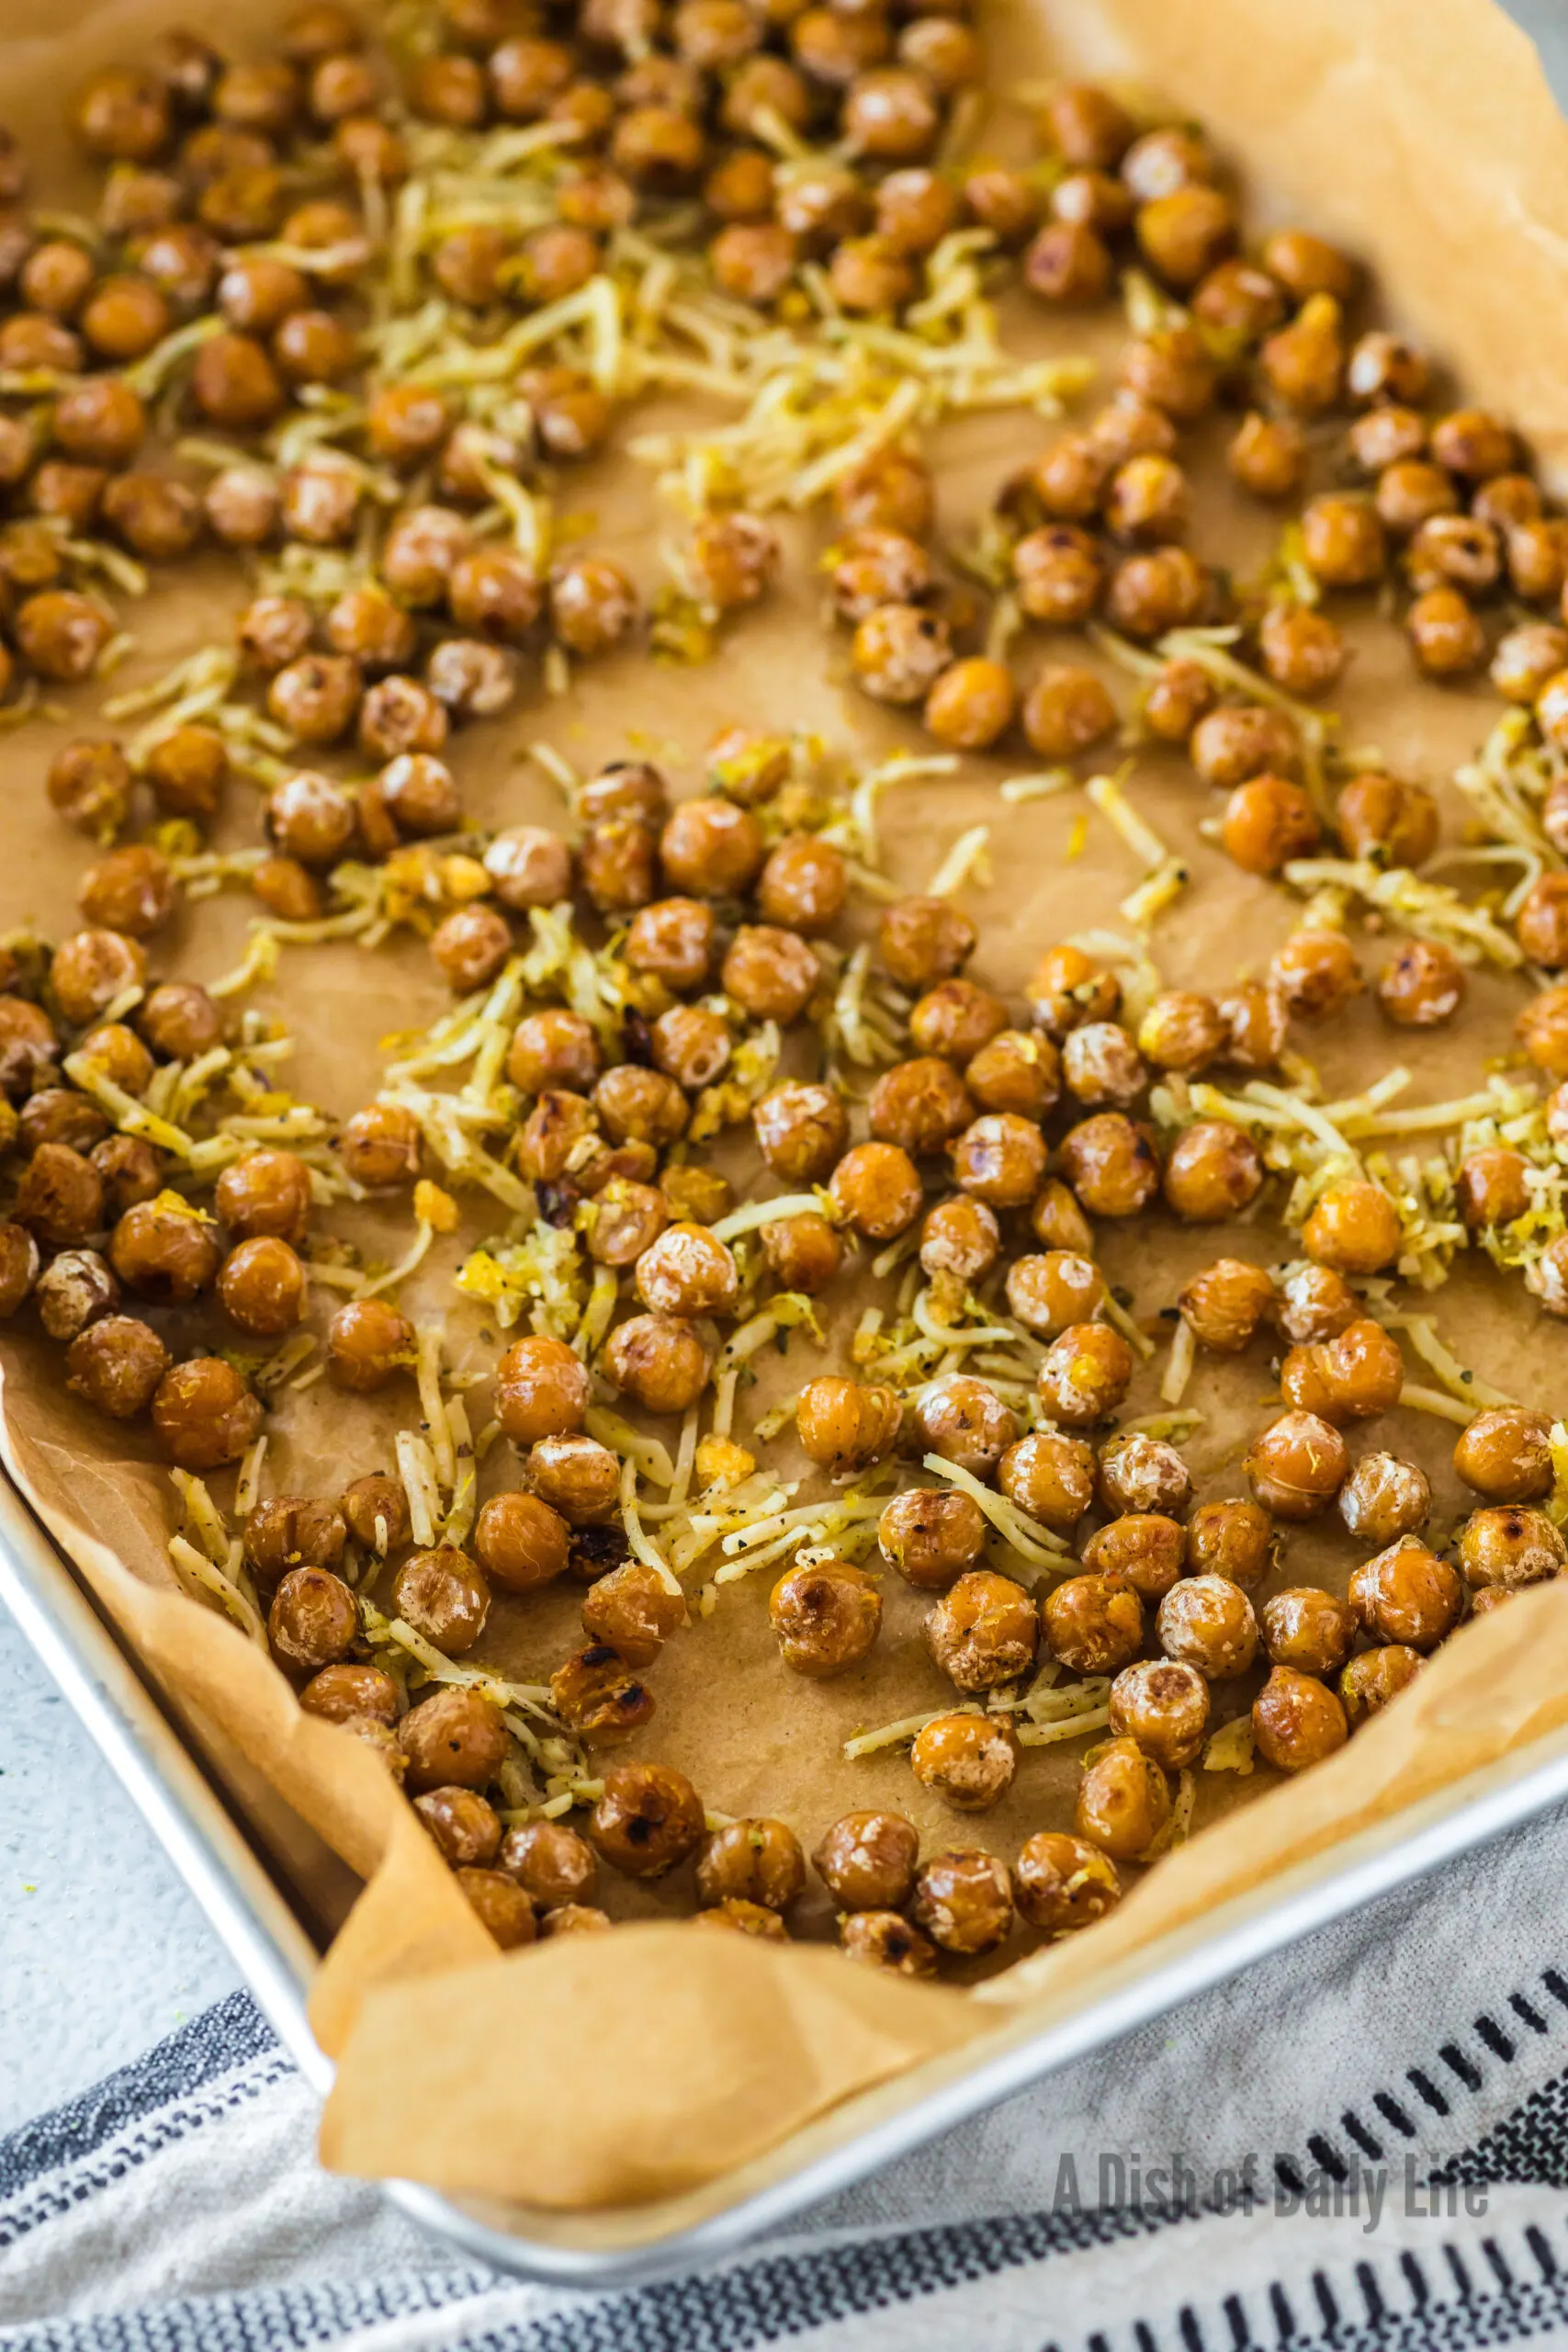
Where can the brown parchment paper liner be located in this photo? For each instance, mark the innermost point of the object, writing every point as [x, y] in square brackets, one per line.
[593, 2073]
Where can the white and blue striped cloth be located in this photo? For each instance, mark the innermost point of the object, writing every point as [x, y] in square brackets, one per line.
[1394, 2092]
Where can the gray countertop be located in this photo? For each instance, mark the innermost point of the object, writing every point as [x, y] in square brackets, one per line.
[101, 1948]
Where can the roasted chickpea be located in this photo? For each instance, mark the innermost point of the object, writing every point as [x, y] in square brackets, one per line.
[260, 1286]
[1207, 1622]
[555, 1868]
[1384, 1498]
[882, 1939]
[649, 1818]
[899, 652]
[660, 1361]
[1507, 1545]
[1123, 1800]
[919, 1105]
[593, 605]
[343, 1693]
[1316, 973]
[1314, 1302]
[1058, 574]
[292, 1531]
[597, 1695]
[1112, 1165]
[826, 1615]
[1048, 1293]
[1422, 985]
[1069, 262]
[892, 491]
[1163, 1707]
[844, 1425]
[1353, 1229]
[1308, 1630]
[1268, 455]
[1373, 1678]
[1542, 1030]
[1102, 1064]
[164, 1250]
[962, 1901]
[522, 1543]
[867, 1861]
[753, 1861]
[1297, 1465]
[633, 1610]
[203, 1414]
[930, 1534]
[968, 1760]
[456, 1738]
[313, 1621]
[1093, 1624]
[1049, 1478]
[1268, 821]
[1065, 710]
[1085, 1374]
[369, 1341]
[380, 1147]
[1233, 1540]
[1144, 1549]
[464, 1825]
[1296, 1721]
[982, 1631]
[1062, 1883]
[1504, 1455]
[1224, 1305]
[1213, 1171]
[1407, 1594]
[60, 634]
[960, 1237]
[1351, 1377]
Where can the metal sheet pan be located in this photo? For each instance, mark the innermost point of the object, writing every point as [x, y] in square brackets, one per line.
[252, 1911]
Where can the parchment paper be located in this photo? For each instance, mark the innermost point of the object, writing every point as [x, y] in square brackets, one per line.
[448, 2056]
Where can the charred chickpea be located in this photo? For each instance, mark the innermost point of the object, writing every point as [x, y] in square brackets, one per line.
[826, 1615]
[203, 1414]
[844, 1424]
[1297, 1721]
[882, 1939]
[1508, 1545]
[633, 1610]
[649, 1818]
[1504, 1455]
[962, 1901]
[1049, 1478]
[1093, 1623]
[1297, 1465]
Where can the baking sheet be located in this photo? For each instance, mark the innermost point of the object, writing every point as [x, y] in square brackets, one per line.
[757, 2040]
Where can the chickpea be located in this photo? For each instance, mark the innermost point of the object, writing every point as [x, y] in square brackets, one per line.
[930, 1534]
[1297, 1465]
[1112, 1165]
[1316, 973]
[876, 1189]
[1207, 1622]
[1234, 745]
[1239, 301]
[1176, 701]
[597, 1695]
[529, 866]
[113, 1363]
[1138, 1473]
[640, 1106]
[1069, 263]
[1268, 821]
[60, 635]
[802, 1252]
[1101, 1064]
[19, 1262]
[260, 1286]
[1542, 1030]
[316, 697]
[1407, 1594]
[1268, 455]
[963, 1419]
[1123, 1800]
[1296, 1721]
[1351, 1377]
[1058, 574]
[1000, 1159]
[522, 1543]
[203, 1414]
[899, 651]
[962, 1901]
[770, 973]
[843, 1425]
[454, 1739]
[593, 605]
[1163, 1707]
[660, 1361]
[163, 1250]
[925, 942]
[1446, 636]
[892, 491]
[1085, 1374]
[368, 1342]
[1384, 1499]
[1065, 710]
[826, 1615]
[633, 1610]
[686, 1271]
[556, 1869]
[1062, 1883]
[89, 783]
[1046, 1294]
[800, 1130]
[649, 1818]
[1144, 1549]
[1233, 1540]
[867, 1861]
[348, 1693]
[1049, 1478]
[919, 1105]
[882, 1939]
[380, 1147]
[968, 1760]
[312, 1620]
[465, 1827]
[972, 704]
[1316, 1303]
[982, 1631]
[960, 1237]
[131, 1170]
[1309, 1631]
[1093, 1624]
[1015, 1071]
[1224, 1304]
[292, 1531]
[1422, 985]
[1387, 822]
[1171, 369]
[1353, 1229]
[755, 1861]
[1507, 1545]
[804, 883]
[1504, 1454]
[29, 1046]
[56, 1114]
[1181, 1031]
[1212, 1172]
[1001, 201]
[541, 1390]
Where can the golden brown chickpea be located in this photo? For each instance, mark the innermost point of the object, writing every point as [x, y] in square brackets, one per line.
[1181, 1031]
[919, 1105]
[882, 1939]
[800, 1130]
[1093, 1624]
[499, 1906]
[1067, 988]
[971, 705]
[1049, 1478]
[1207, 1622]
[1446, 636]
[234, 384]
[1268, 455]
[1255, 1024]
[203, 1414]
[1354, 1228]
[640, 1106]
[915, 209]
[710, 848]
[930, 1534]
[76, 1289]
[1058, 574]
[686, 1271]
[87, 972]
[745, 1918]
[464, 1825]
[455, 1739]
[1541, 922]
[1351, 1377]
[963, 1419]
[898, 651]
[625, 1218]
[260, 1286]
[1473, 444]
[998, 199]
[1407, 1594]
[1101, 1064]
[1316, 1303]
[117, 1054]
[1186, 233]
[1085, 1374]
[1387, 436]
[1242, 740]
[1163, 1707]
[1138, 1473]
[345, 1694]
[962, 1901]
[1411, 492]
[1303, 361]
[443, 1595]
[867, 1861]
[1176, 701]
[1422, 985]
[755, 1860]
[1123, 1800]
[89, 783]
[1062, 1883]
[804, 883]
[187, 770]
[313, 1619]
[369, 1341]
[802, 1252]
[1171, 369]
[1065, 710]
[1504, 1455]
[1384, 1498]
[633, 1612]
[593, 605]
[1316, 973]
[844, 1425]
[1000, 1159]
[1212, 1172]
[28, 1047]
[1048, 1293]
[660, 1361]
[1507, 1545]
[982, 1631]
[770, 973]
[268, 1192]
[1375, 1676]
[827, 1616]
[1268, 823]
[870, 276]
[56, 1114]
[892, 491]
[1233, 1540]
[1308, 1630]
[1069, 263]
[380, 1147]
[1387, 822]
[1112, 1165]
[19, 1264]
[316, 697]
[1296, 1721]
[164, 1249]
[875, 1188]
[522, 1543]
[1297, 1465]
[555, 1868]
[1542, 1030]
[1454, 550]
[470, 947]
[575, 1475]
[541, 1390]
[968, 1760]
[131, 1170]
[1087, 126]
[1303, 650]
[116, 1364]
[1342, 538]
[60, 635]
[598, 1696]
[1239, 301]
[292, 1531]
[554, 1049]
